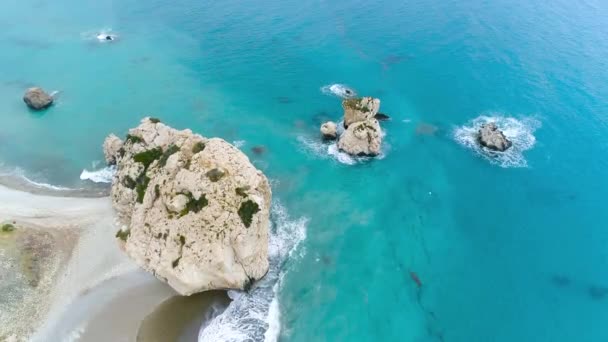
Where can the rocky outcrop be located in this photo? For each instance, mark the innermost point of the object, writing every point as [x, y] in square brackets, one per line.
[111, 148]
[37, 99]
[329, 130]
[362, 138]
[359, 109]
[195, 211]
[491, 137]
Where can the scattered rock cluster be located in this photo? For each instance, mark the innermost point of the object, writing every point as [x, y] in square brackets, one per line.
[362, 135]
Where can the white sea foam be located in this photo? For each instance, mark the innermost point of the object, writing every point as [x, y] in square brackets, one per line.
[519, 131]
[255, 315]
[330, 149]
[100, 35]
[104, 175]
[339, 90]
[239, 143]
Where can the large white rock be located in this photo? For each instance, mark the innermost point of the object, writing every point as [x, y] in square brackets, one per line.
[363, 138]
[196, 211]
[359, 109]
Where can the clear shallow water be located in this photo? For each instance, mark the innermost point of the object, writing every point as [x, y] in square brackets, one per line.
[486, 241]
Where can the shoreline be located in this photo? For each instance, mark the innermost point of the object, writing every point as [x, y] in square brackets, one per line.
[84, 292]
[20, 183]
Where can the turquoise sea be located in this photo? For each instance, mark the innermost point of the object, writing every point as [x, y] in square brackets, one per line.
[508, 248]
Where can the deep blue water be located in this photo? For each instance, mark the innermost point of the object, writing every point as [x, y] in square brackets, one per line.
[504, 253]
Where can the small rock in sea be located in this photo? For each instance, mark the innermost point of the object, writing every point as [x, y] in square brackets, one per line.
[560, 280]
[37, 99]
[259, 150]
[329, 130]
[597, 292]
[382, 117]
[491, 137]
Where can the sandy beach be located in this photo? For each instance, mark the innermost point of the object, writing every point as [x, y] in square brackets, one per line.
[84, 288]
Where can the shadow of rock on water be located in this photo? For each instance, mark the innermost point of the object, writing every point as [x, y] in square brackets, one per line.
[283, 100]
[258, 150]
[597, 292]
[560, 280]
[426, 129]
[180, 318]
[30, 260]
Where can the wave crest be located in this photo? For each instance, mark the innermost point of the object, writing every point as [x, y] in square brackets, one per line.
[339, 90]
[520, 132]
[104, 175]
[255, 315]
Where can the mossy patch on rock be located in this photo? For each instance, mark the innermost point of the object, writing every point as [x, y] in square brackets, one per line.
[199, 146]
[194, 204]
[154, 120]
[141, 187]
[170, 151]
[148, 157]
[123, 234]
[215, 175]
[247, 210]
[129, 182]
[134, 139]
[242, 191]
[355, 103]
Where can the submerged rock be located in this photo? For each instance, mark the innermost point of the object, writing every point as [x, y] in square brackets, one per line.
[329, 130]
[359, 109]
[37, 99]
[362, 138]
[111, 148]
[195, 210]
[491, 137]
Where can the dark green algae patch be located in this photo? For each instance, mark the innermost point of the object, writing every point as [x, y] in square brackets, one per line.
[247, 210]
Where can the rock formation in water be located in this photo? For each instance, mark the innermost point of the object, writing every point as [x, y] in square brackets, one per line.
[195, 210]
[362, 138]
[359, 109]
[491, 137]
[362, 135]
[329, 130]
[37, 99]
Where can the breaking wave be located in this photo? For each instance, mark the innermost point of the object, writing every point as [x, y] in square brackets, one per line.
[519, 131]
[339, 90]
[255, 315]
[104, 175]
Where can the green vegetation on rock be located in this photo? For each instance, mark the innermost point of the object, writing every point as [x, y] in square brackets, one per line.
[142, 186]
[247, 210]
[123, 234]
[199, 146]
[129, 182]
[134, 139]
[242, 191]
[148, 157]
[215, 175]
[154, 120]
[170, 151]
[193, 204]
